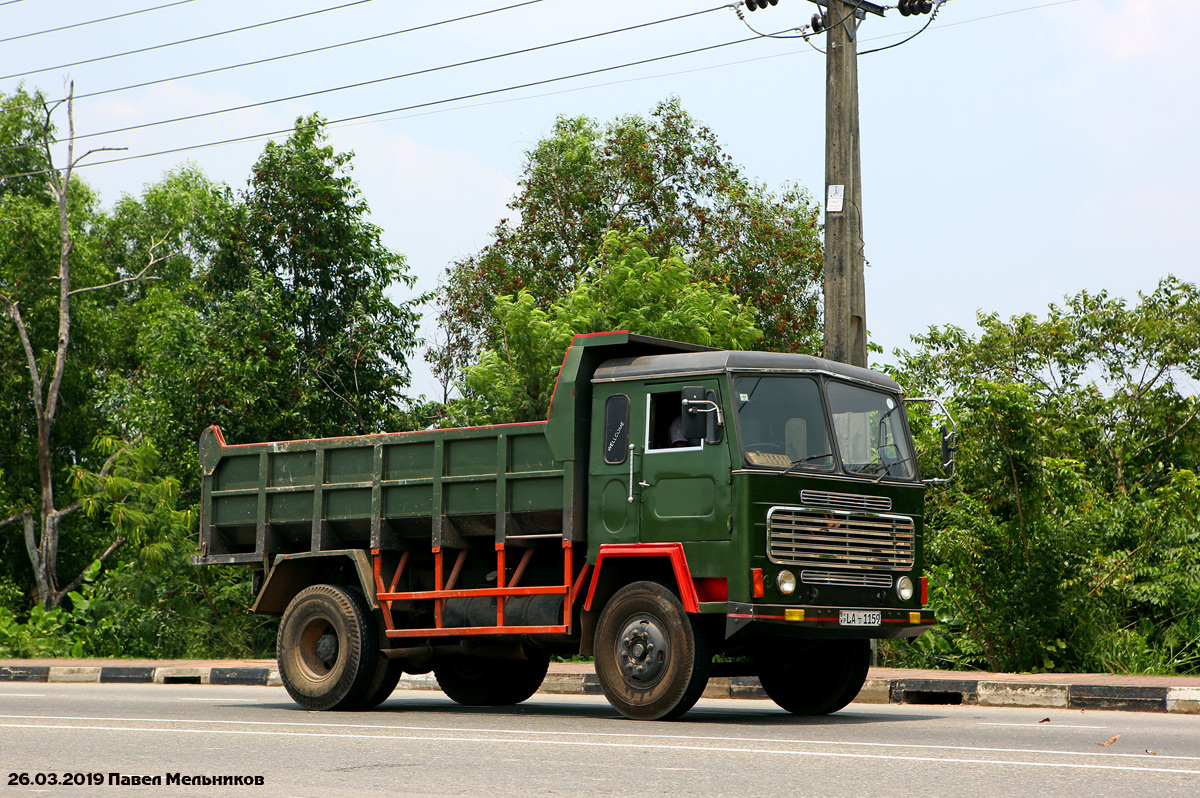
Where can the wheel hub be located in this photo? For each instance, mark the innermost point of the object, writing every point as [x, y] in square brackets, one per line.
[327, 649]
[642, 651]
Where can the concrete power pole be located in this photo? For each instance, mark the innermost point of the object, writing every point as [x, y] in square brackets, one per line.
[845, 292]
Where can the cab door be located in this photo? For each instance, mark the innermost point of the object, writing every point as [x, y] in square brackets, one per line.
[684, 485]
[614, 470]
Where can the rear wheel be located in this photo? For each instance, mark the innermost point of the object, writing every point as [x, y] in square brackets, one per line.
[652, 660]
[490, 682]
[817, 680]
[326, 647]
[384, 678]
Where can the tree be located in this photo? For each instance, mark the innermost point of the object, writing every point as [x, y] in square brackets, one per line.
[666, 175]
[25, 280]
[625, 288]
[300, 233]
[1068, 539]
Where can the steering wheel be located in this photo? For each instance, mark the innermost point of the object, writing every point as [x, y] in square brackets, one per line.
[766, 447]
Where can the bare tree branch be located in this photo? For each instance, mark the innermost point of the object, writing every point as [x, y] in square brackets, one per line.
[95, 150]
[116, 544]
[140, 276]
[136, 278]
[13, 517]
[14, 312]
[46, 371]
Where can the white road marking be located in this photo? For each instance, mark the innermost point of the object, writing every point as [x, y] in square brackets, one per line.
[1050, 725]
[683, 737]
[22, 695]
[524, 740]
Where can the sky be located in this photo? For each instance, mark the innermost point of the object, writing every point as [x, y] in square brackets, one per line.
[1015, 152]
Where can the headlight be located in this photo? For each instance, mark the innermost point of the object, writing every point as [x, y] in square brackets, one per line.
[786, 582]
[904, 588]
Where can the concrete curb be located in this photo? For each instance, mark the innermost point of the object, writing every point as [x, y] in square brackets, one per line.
[944, 690]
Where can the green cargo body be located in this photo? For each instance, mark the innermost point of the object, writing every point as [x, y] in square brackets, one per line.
[379, 491]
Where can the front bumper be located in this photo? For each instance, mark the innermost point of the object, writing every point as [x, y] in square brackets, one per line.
[820, 621]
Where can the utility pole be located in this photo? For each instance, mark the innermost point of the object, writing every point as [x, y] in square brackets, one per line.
[845, 284]
[845, 292]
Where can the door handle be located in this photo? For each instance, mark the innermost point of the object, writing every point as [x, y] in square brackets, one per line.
[641, 484]
[632, 453]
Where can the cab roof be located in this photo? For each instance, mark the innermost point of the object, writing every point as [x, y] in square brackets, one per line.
[717, 361]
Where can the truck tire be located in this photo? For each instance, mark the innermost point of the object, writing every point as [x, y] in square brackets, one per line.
[652, 659]
[490, 682]
[384, 678]
[817, 680]
[326, 648]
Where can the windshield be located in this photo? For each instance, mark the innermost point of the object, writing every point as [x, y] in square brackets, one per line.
[783, 423]
[870, 435]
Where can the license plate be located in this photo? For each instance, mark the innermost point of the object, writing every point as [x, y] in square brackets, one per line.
[859, 618]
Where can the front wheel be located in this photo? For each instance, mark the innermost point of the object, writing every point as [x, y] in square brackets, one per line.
[817, 680]
[326, 647]
[652, 660]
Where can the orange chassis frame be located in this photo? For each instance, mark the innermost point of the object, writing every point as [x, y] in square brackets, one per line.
[444, 588]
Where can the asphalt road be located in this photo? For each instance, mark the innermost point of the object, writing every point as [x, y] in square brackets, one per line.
[421, 744]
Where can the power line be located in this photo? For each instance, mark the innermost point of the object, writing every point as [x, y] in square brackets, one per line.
[1006, 13]
[937, 7]
[93, 21]
[429, 104]
[259, 61]
[374, 81]
[638, 79]
[184, 41]
[345, 121]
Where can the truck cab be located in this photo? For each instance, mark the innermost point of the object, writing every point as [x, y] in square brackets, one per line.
[791, 488]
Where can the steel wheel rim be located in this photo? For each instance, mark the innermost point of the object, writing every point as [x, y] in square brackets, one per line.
[319, 647]
[643, 651]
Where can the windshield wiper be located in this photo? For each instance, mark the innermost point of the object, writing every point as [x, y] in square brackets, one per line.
[886, 470]
[797, 463]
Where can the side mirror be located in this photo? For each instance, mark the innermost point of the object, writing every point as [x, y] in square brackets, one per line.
[949, 440]
[949, 447]
[701, 415]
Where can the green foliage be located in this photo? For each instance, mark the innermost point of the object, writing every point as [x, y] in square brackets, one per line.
[666, 175]
[1068, 541]
[264, 311]
[22, 132]
[132, 497]
[275, 321]
[142, 609]
[301, 229]
[626, 288]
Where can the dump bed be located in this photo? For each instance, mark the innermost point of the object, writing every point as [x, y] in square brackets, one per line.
[448, 487]
[375, 491]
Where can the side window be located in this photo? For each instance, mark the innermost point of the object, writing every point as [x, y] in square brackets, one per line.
[616, 429]
[664, 422]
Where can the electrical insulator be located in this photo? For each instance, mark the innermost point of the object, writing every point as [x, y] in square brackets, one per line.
[818, 23]
[753, 5]
[910, 8]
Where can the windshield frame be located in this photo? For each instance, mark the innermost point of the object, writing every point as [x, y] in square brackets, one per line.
[823, 381]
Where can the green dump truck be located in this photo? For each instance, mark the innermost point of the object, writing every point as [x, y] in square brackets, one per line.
[678, 503]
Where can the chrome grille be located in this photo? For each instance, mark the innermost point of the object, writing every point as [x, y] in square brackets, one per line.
[808, 537]
[846, 501]
[861, 579]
